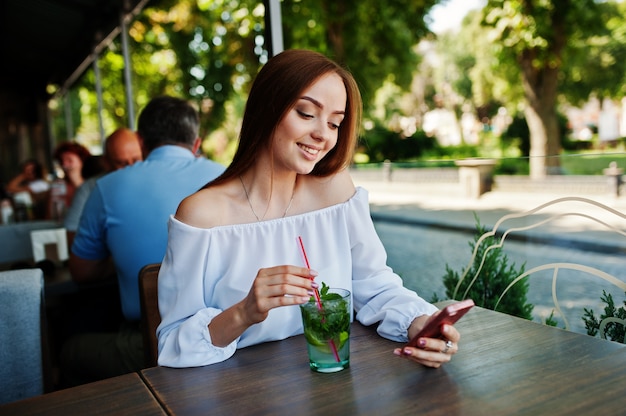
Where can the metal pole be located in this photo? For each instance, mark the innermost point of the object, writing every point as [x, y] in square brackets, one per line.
[127, 72]
[96, 70]
[273, 27]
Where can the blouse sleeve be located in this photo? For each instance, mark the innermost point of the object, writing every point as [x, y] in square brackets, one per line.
[379, 294]
[184, 338]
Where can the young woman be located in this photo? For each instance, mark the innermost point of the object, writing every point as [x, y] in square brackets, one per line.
[233, 274]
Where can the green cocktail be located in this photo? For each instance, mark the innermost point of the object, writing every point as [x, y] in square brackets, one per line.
[327, 330]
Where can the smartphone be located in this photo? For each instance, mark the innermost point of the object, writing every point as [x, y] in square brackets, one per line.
[448, 315]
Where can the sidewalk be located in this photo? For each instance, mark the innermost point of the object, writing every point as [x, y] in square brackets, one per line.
[442, 204]
[420, 252]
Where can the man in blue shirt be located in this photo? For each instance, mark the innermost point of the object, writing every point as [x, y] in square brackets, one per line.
[125, 220]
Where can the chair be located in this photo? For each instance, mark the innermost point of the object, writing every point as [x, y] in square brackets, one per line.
[23, 349]
[538, 218]
[150, 316]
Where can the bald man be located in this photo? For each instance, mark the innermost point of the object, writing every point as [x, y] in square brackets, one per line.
[122, 148]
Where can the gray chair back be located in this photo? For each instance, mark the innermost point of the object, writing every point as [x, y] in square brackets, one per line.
[21, 365]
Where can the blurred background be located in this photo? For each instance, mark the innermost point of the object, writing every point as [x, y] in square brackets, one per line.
[538, 86]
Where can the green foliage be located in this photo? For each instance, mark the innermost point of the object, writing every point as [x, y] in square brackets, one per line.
[215, 49]
[209, 52]
[512, 166]
[332, 321]
[461, 151]
[538, 36]
[517, 132]
[380, 144]
[589, 164]
[612, 331]
[373, 39]
[550, 321]
[572, 145]
[596, 64]
[59, 121]
[494, 276]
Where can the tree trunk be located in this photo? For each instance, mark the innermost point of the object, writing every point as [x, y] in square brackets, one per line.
[540, 83]
[335, 14]
[545, 146]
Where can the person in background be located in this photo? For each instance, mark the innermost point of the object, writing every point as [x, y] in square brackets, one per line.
[233, 274]
[70, 156]
[93, 167]
[30, 188]
[125, 218]
[121, 148]
[30, 179]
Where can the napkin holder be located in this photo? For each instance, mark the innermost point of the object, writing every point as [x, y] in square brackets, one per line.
[50, 245]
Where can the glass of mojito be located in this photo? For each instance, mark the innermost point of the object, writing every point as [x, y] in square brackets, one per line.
[327, 330]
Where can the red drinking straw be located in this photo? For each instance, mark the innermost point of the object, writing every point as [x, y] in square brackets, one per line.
[306, 260]
[333, 347]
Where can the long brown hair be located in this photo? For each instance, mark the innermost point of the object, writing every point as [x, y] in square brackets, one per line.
[275, 91]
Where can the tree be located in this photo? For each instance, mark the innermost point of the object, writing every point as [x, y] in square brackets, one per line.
[375, 40]
[217, 48]
[535, 34]
[596, 65]
[209, 51]
[494, 81]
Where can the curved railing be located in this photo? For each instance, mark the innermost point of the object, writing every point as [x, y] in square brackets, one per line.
[555, 267]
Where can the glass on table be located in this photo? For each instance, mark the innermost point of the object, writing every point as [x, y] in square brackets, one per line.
[327, 330]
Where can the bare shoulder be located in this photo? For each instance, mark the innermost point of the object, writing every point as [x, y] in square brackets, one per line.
[206, 208]
[330, 190]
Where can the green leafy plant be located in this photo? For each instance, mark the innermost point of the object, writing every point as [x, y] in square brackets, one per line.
[550, 321]
[612, 331]
[495, 275]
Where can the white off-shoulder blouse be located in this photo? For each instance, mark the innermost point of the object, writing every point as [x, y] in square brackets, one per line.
[205, 271]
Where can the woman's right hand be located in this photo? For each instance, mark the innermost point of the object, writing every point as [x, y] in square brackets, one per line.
[277, 286]
[273, 287]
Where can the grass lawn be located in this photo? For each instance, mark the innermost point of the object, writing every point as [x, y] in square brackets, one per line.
[572, 163]
[591, 164]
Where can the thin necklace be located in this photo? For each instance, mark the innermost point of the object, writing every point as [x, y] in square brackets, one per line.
[265, 213]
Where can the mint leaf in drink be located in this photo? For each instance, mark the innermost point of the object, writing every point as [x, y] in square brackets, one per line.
[324, 295]
[332, 322]
[324, 290]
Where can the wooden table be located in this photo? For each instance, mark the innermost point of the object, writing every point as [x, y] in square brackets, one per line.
[506, 366]
[123, 395]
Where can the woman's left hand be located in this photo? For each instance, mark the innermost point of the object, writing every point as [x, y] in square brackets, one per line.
[433, 352]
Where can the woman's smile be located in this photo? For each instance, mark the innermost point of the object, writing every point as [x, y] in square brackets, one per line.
[309, 150]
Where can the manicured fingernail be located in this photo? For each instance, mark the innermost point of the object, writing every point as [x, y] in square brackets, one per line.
[304, 299]
[310, 292]
[312, 273]
[314, 285]
[406, 351]
[397, 351]
[421, 342]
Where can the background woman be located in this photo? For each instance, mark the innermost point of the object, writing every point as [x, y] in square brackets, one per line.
[71, 157]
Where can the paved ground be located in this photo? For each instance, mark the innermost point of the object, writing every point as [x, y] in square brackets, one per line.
[427, 227]
[444, 205]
